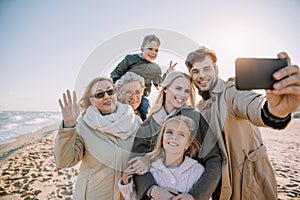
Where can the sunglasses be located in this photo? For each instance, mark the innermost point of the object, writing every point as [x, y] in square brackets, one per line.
[100, 95]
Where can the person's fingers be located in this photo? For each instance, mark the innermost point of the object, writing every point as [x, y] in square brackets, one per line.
[74, 98]
[129, 176]
[174, 65]
[60, 104]
[171, 65]
[290, 81]
[136, 166]
[284, 55]
[65, 99]
[177, 197]
[142, 170]
[129, 169]
[286, 90]
[286, 71]
[172, 191]
[133, 160]
[69, 97]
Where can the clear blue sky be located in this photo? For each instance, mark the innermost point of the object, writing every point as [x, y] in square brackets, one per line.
[43, 44]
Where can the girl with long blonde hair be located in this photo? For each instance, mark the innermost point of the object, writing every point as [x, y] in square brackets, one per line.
[171, 160]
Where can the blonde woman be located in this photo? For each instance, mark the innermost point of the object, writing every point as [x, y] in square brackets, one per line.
[176, 97]
[101, 139]
[171, 160]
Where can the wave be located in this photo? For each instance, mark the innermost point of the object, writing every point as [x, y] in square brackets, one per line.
[15, 123]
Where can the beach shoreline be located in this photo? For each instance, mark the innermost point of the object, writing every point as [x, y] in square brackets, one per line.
[12, 147]
[28, 170]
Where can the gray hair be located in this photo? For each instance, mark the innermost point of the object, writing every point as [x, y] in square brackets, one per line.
[129, 77]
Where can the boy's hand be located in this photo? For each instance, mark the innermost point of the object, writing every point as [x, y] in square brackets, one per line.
[171, 67]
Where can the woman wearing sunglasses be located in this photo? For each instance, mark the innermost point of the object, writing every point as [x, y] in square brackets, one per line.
[101, 139]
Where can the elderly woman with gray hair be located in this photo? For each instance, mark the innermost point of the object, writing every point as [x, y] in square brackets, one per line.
[130, 89]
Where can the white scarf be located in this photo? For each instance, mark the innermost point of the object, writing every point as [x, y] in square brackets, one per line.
[121, 124]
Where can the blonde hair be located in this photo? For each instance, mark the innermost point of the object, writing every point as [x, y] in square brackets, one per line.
[159, 102]
[149, 38]
[193, 149]
[199, 55]
[84, 102]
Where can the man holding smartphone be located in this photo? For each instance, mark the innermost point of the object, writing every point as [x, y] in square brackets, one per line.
[235, 116]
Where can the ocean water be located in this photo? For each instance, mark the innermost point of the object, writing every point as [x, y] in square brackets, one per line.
[15, 123]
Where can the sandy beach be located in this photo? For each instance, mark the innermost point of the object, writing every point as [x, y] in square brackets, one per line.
[28, 170]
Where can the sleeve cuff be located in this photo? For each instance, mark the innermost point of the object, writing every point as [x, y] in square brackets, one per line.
[62, 126]
[126, 189]
[273, 121]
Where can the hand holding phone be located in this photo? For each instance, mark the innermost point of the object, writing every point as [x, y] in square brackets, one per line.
[256, 73]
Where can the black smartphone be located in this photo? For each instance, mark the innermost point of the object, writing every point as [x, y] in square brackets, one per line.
[256, 73]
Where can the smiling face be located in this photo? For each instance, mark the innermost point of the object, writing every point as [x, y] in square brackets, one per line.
[108, 103]
[150, 51]
[204, 74]
[131, 93]
[176, 137]
[177, 94]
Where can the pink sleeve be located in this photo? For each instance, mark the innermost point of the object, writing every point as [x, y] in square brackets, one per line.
[127, 191]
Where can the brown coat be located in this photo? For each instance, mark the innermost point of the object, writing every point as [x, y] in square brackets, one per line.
[246, 169]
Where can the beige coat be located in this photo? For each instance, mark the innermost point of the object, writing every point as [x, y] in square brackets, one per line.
[101, 169]
[246, 169]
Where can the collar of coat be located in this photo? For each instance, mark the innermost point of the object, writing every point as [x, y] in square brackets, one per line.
[218, 88]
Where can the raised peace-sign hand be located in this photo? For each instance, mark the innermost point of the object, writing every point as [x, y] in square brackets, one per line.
[171, 67]
[69, 109]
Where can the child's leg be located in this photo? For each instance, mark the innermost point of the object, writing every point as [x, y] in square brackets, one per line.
[144, 107]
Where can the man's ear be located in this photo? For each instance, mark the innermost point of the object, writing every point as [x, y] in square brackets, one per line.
[142, 48]
[217, 69]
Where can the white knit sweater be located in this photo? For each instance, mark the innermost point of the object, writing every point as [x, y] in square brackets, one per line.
[180, 179]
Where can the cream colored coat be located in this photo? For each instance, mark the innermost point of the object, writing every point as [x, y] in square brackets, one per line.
[246, 169]
[98, 174]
